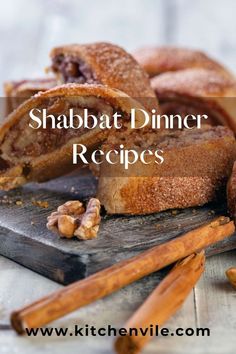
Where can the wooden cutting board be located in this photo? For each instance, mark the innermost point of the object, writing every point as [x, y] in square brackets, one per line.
[25, 239]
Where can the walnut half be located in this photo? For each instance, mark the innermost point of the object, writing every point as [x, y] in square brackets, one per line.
[71, 219]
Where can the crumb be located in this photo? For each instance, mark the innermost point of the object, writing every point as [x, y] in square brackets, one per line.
[40, 203]
[194, 211]
[32, 222]
[174, 212]
[211, 212]
[19, 202]
[72, 189]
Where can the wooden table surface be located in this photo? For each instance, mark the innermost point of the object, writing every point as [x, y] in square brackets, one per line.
[211, 304]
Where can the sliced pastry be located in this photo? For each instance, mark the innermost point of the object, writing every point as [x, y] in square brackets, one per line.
[32, 149]
[198, 91]
[157, 60]
[103, 63]
[195, 169]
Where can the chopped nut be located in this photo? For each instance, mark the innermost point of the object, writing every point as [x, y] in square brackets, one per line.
[90, 221]
[231, 275]
[52, 221]
[73, 208]
[66, 225]
[71, 219]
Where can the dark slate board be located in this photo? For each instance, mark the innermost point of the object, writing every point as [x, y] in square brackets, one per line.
[120, 237]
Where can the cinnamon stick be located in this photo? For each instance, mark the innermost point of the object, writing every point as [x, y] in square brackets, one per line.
[163, 302]
[119, 275]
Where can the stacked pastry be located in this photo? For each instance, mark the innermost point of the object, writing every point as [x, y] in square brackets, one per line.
[105, 78]
[187, 81]
[102, 77]
[95, 64]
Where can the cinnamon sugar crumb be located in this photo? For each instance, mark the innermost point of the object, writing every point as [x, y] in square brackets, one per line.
[40, 203]
[174, 212]
[211, 212]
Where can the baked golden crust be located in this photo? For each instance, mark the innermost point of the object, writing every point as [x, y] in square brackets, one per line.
[146, 195]
[199, 87]
[157, 60]
[191, 175]
[109, 65]
[195, 82]
[51, 161]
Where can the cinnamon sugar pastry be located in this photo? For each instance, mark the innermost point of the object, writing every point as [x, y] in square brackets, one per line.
[18, 91]
[103, 63]
[198, 91]
[196, 166]
[29, 154]
[157, 60]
